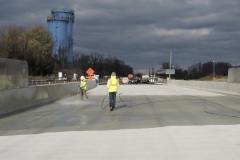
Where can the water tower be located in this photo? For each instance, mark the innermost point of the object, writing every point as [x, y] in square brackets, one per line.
[60, 25]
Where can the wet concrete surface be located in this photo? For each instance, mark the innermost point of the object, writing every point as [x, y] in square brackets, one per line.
[146, 109]
[149, 122]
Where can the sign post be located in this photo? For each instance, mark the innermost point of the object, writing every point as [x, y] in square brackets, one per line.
[170, 64]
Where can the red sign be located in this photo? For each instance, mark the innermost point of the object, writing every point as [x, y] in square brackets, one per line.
[90, 72]
[130, 76]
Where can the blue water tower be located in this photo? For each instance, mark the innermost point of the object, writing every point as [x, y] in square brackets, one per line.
[60, 25]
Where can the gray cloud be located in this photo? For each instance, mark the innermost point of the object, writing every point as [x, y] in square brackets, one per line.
[143, 32]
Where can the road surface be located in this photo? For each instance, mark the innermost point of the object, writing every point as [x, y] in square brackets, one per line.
[149, 122]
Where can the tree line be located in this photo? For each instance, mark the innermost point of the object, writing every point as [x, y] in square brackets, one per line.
[102, 65]
[199, 70]
[210, 68]
[35, 45]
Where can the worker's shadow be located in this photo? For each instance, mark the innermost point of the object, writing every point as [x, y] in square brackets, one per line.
[120, 107]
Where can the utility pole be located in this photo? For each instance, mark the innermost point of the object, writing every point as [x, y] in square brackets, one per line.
[213, 71]
[170, 64]
[155, 68]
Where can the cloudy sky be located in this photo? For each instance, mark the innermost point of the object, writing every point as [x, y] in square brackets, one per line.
[143, 32]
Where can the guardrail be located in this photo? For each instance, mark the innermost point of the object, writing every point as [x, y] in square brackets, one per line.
[43, 82]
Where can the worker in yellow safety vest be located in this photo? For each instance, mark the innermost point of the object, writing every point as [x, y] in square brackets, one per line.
[112, 85]
[83, 87]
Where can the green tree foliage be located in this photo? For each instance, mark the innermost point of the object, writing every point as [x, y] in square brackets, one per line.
[102, 65]
[33, 45]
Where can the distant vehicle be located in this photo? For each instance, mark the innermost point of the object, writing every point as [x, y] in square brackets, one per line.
[75, 79]
[125, 80]
[153, 79]
[133, 81]
[161, 80]
[145, 79]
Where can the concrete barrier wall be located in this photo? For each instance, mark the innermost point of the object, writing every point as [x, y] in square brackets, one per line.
[223, 87]
[234, 75]
[13, 74]
[22, 98]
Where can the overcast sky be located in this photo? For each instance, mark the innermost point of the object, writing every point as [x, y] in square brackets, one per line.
[142, 33]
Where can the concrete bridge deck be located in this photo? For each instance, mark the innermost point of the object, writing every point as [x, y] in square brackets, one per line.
[154, 122]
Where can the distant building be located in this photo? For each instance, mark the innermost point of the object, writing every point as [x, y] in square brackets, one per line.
[60, 25]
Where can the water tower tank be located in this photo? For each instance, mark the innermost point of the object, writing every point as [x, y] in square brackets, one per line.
[60, 25]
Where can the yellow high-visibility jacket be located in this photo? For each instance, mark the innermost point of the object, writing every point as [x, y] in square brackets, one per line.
[83, 84]
[113, 84]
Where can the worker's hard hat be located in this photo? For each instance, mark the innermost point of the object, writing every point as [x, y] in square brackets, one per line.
[113, 74]
[82, 78]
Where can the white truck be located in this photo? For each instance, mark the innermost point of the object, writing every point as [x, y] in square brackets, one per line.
[145, 79]
[125, 80]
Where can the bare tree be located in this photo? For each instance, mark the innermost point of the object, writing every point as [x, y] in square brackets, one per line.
[33, 44]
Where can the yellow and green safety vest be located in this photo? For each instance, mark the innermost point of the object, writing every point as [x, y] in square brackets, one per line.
[83, 84]
[112, 84]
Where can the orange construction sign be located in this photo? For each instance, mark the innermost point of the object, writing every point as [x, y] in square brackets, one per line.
[130, 76]
[90, 72]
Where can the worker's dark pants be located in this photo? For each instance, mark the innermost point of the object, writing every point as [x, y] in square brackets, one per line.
[112, 99]
[83, 92]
